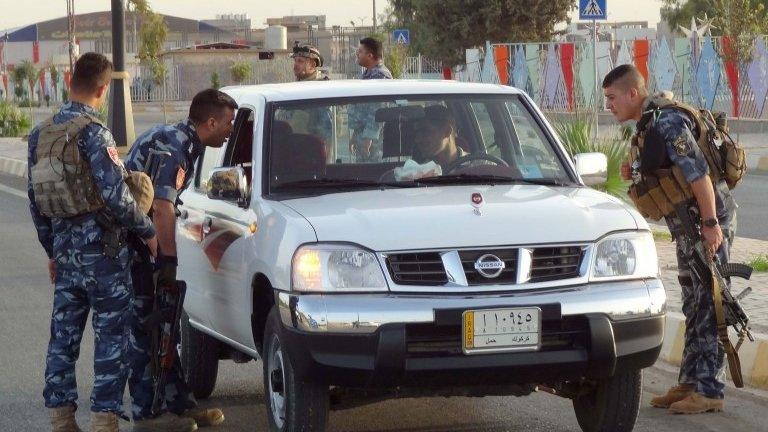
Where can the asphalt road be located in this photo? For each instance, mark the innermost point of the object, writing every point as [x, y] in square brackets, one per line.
[752, 197]
[25, 304]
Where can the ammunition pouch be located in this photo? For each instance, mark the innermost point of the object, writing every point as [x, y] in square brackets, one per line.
[657, 196]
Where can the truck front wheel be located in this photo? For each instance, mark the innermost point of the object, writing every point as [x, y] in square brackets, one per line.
[293, 405]
[611, 404]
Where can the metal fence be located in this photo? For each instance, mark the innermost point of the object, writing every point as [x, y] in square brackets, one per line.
[561, 76]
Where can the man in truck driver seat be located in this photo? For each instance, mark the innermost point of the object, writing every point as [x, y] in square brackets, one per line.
[665, 150]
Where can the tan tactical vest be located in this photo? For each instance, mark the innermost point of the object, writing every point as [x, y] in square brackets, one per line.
[656, 195]
[61, 178]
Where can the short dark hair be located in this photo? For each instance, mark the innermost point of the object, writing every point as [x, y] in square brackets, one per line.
[209, 103]
[373, 46]
[92, 70]
[626, 76]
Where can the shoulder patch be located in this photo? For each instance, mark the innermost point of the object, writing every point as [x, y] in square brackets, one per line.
[114, 155]
[180, 174]
[681, 145]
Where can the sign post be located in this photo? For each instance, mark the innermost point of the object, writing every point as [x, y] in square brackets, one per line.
[594, 10]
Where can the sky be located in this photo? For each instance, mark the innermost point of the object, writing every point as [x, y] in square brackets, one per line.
[338, 12]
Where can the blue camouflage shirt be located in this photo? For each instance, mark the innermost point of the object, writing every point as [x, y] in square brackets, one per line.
[176, 172]
[676, 131]
[378, 71]
[75, 233]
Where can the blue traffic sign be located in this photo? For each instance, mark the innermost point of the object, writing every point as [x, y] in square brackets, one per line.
[401, 36]
[593, 10]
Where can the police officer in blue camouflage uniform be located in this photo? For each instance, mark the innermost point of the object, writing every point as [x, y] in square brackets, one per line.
[362, 117]
[211, 115]
[80, 205]
[670, 141]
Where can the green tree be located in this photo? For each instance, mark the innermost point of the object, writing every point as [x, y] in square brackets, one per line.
[395, 60]
[54, 78]
[730, 17]
[742, 21]
[26, 73]
[152, 37]
[13, 121]
[444, 29]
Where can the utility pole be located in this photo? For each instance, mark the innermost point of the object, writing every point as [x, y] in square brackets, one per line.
[121, 112]
[374, 16]
[71, 33]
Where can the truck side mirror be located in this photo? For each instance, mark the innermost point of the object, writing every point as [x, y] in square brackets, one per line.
[228, 184]
[592, 167]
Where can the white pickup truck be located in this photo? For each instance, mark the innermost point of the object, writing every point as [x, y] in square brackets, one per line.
[377, 239]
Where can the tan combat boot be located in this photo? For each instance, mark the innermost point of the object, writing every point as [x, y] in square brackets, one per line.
[104, 422]
[696, 404]
[675, 394]
[205, 416]
[63, 419]
[167, 422]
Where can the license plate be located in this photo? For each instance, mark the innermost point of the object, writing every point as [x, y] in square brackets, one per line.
[501, 330]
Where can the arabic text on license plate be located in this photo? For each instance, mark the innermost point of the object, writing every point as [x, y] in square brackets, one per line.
[501, 330]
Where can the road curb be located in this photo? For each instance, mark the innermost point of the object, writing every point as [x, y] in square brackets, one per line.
[13, 167]
[753, 355]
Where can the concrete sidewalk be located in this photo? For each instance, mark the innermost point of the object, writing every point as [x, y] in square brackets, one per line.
[754, 356]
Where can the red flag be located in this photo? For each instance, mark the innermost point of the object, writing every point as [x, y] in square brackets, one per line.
[35, 52]
[501, 57]
[641, 57]
[732, 71]
[42, 83]
[566, 62]
[67, 78]
[447, 73]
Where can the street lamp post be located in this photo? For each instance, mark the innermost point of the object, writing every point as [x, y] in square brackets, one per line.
[120, 112]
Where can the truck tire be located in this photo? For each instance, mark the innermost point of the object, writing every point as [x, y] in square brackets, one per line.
[293, 405]
[199, 359]
[612, 405]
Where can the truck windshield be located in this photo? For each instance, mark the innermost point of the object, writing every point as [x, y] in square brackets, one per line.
[396, 141]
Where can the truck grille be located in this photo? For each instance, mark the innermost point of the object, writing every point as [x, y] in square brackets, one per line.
[507, 276]
[546, 263]
[424, 268]
[554, 263]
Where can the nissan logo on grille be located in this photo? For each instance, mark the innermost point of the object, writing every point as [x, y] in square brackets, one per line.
[489, 266]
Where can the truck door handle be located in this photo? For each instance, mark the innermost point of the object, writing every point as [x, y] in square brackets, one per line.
[207, 226]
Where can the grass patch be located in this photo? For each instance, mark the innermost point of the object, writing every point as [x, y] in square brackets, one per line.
[661, 235]
[759, 263]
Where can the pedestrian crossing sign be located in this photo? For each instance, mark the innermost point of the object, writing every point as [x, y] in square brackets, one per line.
[401, 36]
[593, 10]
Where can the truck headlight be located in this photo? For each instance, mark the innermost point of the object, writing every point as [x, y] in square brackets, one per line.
[336, 268]
[626, 255]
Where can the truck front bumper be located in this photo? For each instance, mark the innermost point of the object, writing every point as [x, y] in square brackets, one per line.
[386, 340]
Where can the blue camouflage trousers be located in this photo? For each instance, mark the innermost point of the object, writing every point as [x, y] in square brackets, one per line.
[87, 280]
[178, 397]
[703, 361]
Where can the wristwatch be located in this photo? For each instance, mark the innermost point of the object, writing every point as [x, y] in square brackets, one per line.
[711, 222]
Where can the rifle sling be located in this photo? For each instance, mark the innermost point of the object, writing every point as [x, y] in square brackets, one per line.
[734, 364]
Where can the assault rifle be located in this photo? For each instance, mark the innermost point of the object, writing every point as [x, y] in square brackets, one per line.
[716, 276]
[172, 301]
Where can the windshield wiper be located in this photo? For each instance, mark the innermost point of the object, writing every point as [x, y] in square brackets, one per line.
[465, 178]
[331, 182]
[490, 179]
[547, 182]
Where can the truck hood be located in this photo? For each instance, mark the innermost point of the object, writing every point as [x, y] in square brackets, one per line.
[444, 217]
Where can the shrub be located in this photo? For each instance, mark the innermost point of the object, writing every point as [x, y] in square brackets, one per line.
[577, 138]
[215, 81]
[241, 71]
[13, 121]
